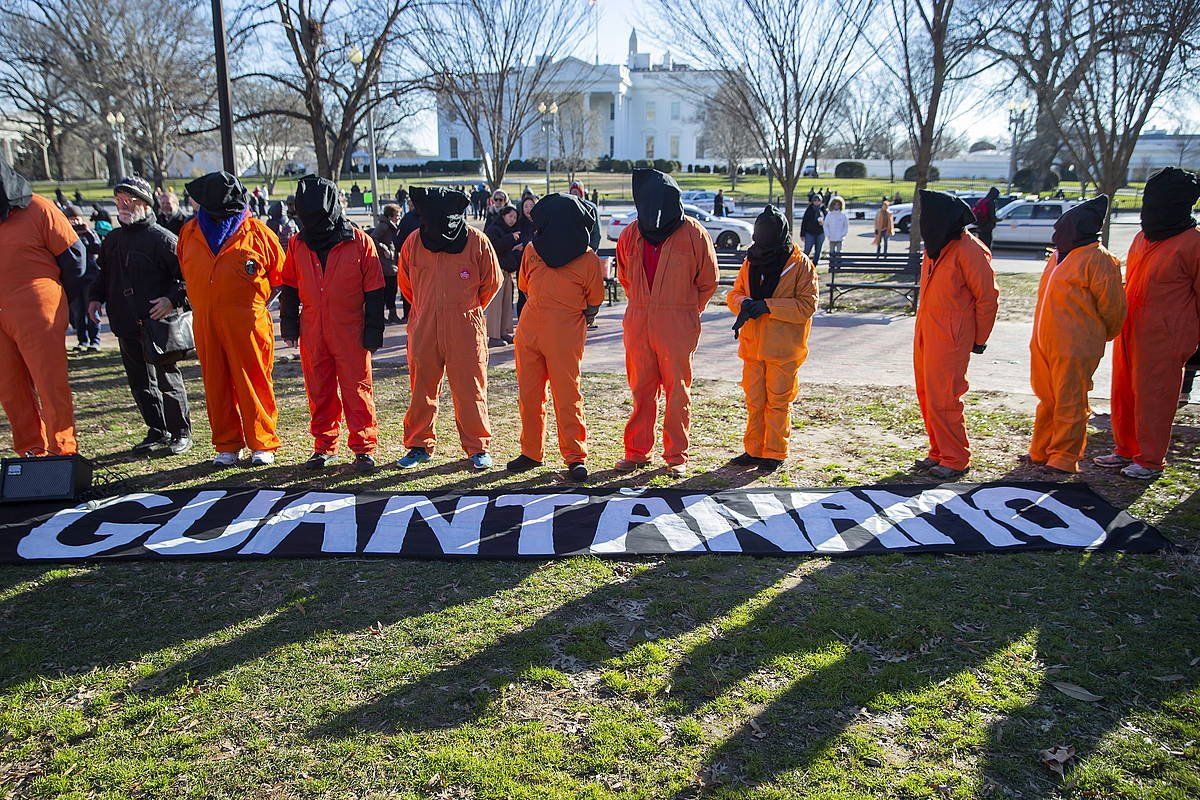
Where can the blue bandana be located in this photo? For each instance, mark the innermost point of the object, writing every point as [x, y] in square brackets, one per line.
[217, 231]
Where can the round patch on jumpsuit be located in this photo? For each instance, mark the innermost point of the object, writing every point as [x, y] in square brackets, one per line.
[464, 275]
[251, 267]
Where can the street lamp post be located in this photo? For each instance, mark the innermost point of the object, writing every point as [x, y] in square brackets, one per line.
[548, 113]
[356, 58]
[117, 123]
[1016, 121]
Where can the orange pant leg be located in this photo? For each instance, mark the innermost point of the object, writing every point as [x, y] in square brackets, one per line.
[37, 331]
[564, 355]
[358, 399]
[532, 378]
[782, 386]
[218, 391]
[1063, 425]
[923, 396]
[18, 399]
[754, 384]
[1043, 419]
[1157, 374]
[1124, 403]
[945, 382]
[426, 368]
[321, 387]
[252, 359]
[466, 351]
[645, 383]
[676, 370]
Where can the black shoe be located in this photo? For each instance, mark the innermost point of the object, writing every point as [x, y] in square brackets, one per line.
[744, 460]
[364, 464]
[506, 339]
[495, 342]
[180, 445]
[317, 461]
[394, 320]
[924, 465]
[769, 464]
[522, 463]
[152, 442]
[577, 471]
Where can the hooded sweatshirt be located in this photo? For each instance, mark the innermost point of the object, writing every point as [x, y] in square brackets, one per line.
[769, 253]
[319, 210]
[943, 219]
[837, 224]
[562, 228]
[1079, 226]
[659, 204]
[1167, 203]
[15, 191]
[443, 226]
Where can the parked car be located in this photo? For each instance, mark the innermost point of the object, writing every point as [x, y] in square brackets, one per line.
[727, 233]
[703, 198]
[810, 171]
[902, 212]
[1029, 222]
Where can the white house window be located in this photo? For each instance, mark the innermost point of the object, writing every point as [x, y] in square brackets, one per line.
[650, 111]
[612, 110]
[453, 148]
[674, 148]
[611, 148]
[699, 147]
[649, 147]
[675, 110]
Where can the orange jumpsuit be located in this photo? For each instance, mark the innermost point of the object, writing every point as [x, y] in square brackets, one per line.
[34, 390]
[235, 338]
[772, 348]
[661, 331]
[549, 349]
[1161, 331]
[1080, 306]
[331, 339]
[447, 337]
[957, 311]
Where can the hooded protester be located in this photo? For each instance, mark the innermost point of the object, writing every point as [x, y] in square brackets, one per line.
[87, 330]
[39, 253]
[954, 319]
[668, 267]
[503, 230]
[577, 190]
[774, 297]
[985, 216]
[231, 262]
[1080, 307]
[331, 303]
[449, 272]
[560, 274]
[1162, 327]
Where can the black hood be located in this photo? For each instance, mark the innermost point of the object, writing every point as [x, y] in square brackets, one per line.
[220, 194]
[659, 207]
[1080, 225]
[943, 218]
[993, 194]
[562, 227]
[443, 227]
[1167, 203]
[15, 191]
[319, 209]
[770, 251]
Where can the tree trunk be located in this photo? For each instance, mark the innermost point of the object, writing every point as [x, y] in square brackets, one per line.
[789, 200]
[732, 175]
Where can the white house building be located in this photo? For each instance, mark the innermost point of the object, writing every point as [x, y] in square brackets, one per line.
[638, 110]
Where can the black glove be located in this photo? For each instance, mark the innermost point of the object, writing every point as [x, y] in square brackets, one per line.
[372, 337]
[756, 308]
[590, 313]
[289, 313]
[978, 349]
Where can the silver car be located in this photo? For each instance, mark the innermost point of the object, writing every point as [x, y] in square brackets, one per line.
[727, 233]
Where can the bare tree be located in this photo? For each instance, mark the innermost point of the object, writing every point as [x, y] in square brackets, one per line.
[725, 133]
[861, 116]
[490, 63]
[274, 140]
[784, 72]
[577, 133]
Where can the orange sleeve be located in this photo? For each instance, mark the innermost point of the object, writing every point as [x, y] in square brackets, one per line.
[288, 274]
[800, 307]
[523, 271]
[740, 291]
[489, 272]
[708, 274]
[403, 267]
[372, 270]
[272, 254]
[1104, 280]
[593, 287]
[58, 233]
[981, 282]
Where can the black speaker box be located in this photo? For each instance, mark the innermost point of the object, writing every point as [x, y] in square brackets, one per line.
[26, 480]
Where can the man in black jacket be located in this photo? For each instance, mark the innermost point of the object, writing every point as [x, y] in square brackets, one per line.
[169, 214]
[140, 279]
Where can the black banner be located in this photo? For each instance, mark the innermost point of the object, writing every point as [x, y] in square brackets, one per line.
[256, 523]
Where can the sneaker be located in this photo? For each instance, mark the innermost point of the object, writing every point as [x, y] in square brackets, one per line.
[152, 442]
[180, 445]
[744, 460]
[79, 348]
[317, 461]
[629, 465]
[522, 463]
[1111, 461]
[93, 348]
[481, 461]
[769, 464]
[415, 455]
[225, 460]
[924, 464]
[944, 473]
[262, 458]
[577, 471]
[1140, 473]
[677, 470]
[364, 464]
[507, 339]
[495, 342]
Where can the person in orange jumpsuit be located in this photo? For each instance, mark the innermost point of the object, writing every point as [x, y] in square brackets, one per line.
[954, 319]
[1162, 326]
[449, 273]
[668, 268]
[231, 263]
[1080, 306]
[332, 301]
[39, 251]
[560, 274]
[774, 298]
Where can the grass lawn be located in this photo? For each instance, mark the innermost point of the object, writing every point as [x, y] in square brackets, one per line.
[897, 676]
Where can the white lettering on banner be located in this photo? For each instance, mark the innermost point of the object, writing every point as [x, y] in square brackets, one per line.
[997, 535]
[172, 538]
[459, 536]
[619, 515]
[335, 512]
[536, 537]
[43, 542]
[818, 510]
[1079, 530]
[908, 528]
[718, 523]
